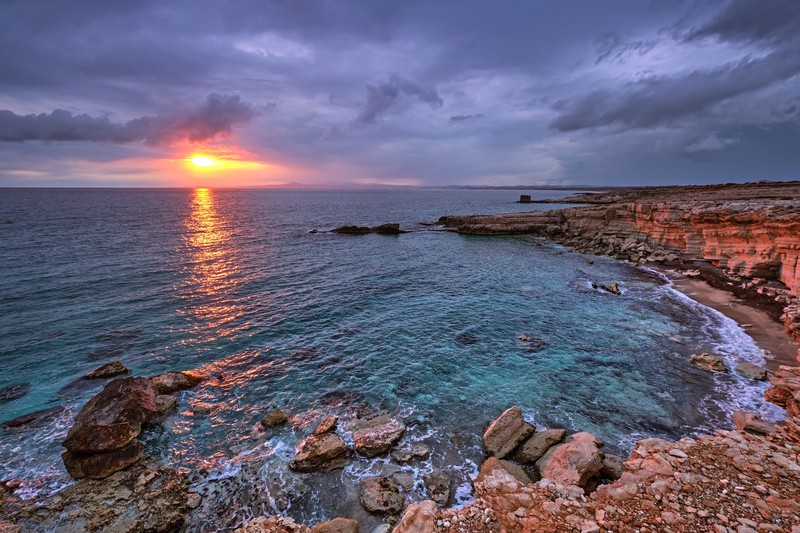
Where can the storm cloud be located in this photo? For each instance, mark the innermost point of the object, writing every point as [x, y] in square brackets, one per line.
[216, 116]
[381, 97]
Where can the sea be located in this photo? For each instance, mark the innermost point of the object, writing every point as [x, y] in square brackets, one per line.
[423, 326]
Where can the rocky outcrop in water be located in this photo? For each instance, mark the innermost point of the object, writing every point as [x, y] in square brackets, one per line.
[378, 439]
[320, 452]
[103, 439]
[383, 229]
[708, 361]
[170, 382]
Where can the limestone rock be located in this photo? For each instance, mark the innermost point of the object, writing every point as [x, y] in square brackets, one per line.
[272, 524]
[108, 370]
[337, 525]
[418, 450]
[381, 495]
[512, 469]
[506, 433]
[418, 518]
[166, 404]
[586, 436]
[375, 440]
[752, 423]
[613, 466]
[274, 418]
[320, 452]
[170, 382]
[438, 486]
[709, 362]
[751, 371]
[536, 446]
[327, 424]
[572, 463]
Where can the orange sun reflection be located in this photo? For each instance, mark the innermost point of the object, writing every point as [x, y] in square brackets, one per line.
[213, 307]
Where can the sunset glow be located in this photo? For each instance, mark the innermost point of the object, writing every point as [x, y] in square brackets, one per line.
[203, 161]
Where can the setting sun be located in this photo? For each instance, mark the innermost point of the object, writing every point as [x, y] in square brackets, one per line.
[203, 161]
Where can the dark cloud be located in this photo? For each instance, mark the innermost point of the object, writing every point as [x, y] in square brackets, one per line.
[666, 99]
[613, 48]
[216, 116]
[746, 20]
[381, 97]
[462, 118]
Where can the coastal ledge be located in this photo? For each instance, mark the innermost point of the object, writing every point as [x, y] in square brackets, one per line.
[742, 238]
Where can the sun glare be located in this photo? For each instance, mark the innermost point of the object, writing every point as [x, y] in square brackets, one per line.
[203, 161]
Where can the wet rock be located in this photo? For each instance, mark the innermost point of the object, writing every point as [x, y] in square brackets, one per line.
[166, 404]
[272, 524]
[417, 451]
[381, 495]
[613, 288]
[12, 392]
[536, 446]
[320, 452]
[383, 229]
[438, 486]
[103, 438]
[418, 518]
[337, 525]
[340, 398]
[274, 418]
[170, 382]
[35, 417]
[572, 463]
[108, 370]
[751, 371]
[465, 339]
[709, 362]
[752, 423]
[201, 409]
[512, 469]
[506, 433]
[613, 466]
[142, 498]
[327, 424]
[532, 342]
[375, 440]
[404, 479]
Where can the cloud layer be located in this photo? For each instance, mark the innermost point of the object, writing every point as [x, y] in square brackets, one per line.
[420, 92]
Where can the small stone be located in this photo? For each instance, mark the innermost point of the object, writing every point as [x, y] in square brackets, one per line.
[274, 418]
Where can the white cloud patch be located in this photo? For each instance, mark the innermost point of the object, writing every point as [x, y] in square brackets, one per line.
[712, 141]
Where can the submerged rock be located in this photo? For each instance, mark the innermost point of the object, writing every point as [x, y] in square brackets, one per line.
[375, 440]
[538, 444]
[108, 370]
[381, 495]
[35, 417]
[707, 361]
[465, 339]
[12, 392]
[103, 438]
[438, 486]
[751, 371]
[417, 451]
[572, 463]
[506, 433]
[274, 418]
[532, 342]
[170, 382]
[320, 452]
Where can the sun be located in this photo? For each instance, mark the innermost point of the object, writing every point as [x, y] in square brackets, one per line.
[203, 161]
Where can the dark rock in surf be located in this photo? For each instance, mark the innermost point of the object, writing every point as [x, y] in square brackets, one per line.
[465, 339]
[108, 370]
[35, 417]
[438, 486]
[613, 288]
[320, 453]
[383, 229]
[274, 418]
[170, 382]
[381, 495]
[12, 392]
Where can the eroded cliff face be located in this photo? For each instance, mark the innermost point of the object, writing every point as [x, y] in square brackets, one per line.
[748, 239]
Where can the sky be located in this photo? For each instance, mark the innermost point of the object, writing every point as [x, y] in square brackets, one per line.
[329, 93]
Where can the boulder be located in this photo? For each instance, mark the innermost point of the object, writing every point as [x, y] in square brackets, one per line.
[320, 452]
[438, 486]
[170, 382]
[709, 362]
[751, 371]
[613, 466]
[381, 495]
[337, 525]
[404, 479]
[327, 424]
[166, 404]
[418, 450]
[506, 433]
[536, 446]
[418, 518]
[272, 524]
[512, 469]
[587, 437]
[613, 288]
[752, 423]
[375, 440]
[572, 463]
[274, 418]
[102, 439]
[108, 370]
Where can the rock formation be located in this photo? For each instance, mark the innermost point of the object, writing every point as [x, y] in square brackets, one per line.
[378, 439]
[507, 432]
[320, 452]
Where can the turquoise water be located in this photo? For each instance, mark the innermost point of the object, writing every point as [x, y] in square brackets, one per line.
[231, 282]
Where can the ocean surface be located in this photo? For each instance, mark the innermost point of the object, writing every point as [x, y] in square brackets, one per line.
[423, 325]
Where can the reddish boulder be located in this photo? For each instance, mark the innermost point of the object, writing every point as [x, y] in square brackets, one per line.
[320, 452]
[375, 440]
[507, 432]
[572, 463]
